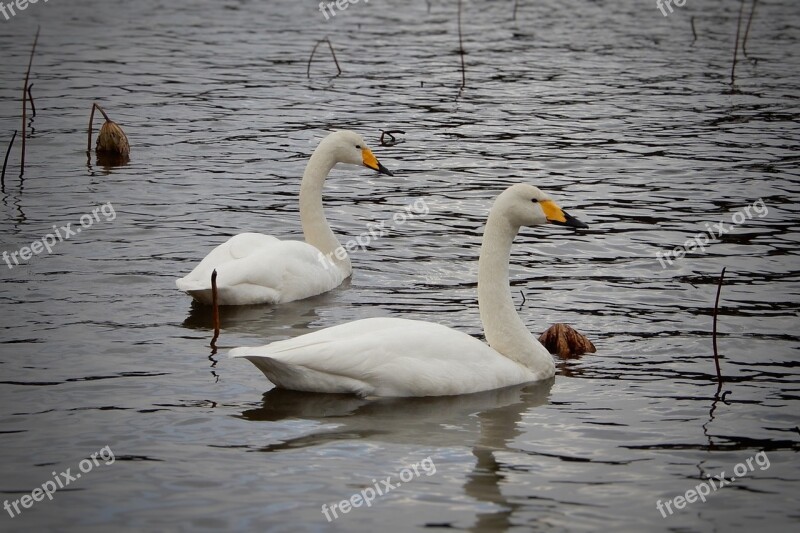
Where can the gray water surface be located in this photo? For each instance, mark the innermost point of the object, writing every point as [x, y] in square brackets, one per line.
[608, 106]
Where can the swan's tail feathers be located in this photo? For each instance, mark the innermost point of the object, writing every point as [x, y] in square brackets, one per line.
[300, 378]
[188, 284]
[198, 289]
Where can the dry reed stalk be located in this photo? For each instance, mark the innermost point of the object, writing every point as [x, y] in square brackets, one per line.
[461, 49]
[736, 44]
[747, 29]
[24, 103]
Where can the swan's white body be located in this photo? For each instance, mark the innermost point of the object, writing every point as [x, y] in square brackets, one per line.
[399, 357]
[388, 357]
[255, 269]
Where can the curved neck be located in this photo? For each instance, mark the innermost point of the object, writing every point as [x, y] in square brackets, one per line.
[316, 230]
[505, 332]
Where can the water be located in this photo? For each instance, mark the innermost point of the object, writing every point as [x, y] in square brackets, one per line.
[608, 106]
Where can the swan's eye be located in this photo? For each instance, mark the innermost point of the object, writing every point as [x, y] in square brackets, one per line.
[534, 200]
[358, 146]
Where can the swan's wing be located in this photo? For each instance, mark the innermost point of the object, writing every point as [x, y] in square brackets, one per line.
[237, 247]
[255, 268]
[386, 357]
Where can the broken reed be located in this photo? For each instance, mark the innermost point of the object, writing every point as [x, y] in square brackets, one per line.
[744, 41]
[25, 92]
[736, 44]
[314, 50]
[392, 139]
[747, 29]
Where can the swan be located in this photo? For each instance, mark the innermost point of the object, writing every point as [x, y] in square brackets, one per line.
[253, 268]
[395, 357]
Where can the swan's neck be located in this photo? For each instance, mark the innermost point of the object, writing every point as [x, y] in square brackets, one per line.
[316, 230]
[505, 331]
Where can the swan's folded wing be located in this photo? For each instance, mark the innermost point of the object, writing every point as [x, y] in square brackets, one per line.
[385, 357]
[253, 268]
[294, 269]
[236, 248]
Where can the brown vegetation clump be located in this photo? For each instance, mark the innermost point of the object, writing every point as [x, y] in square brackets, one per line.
[565, 342]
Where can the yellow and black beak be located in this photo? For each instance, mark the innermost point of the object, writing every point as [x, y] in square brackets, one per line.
[370, 161]
[556, 215]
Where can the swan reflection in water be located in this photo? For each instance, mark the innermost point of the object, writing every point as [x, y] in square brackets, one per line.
[265, 321]
[488, 422]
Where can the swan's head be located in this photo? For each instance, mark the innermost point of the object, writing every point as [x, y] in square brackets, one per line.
[525, 205]
[349, 147]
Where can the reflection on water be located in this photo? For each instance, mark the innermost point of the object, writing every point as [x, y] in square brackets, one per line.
[107, 161]
[404, 420]
[608, 106]
[268, 322]
[487, 423]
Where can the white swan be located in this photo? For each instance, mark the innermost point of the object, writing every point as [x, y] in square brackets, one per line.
[399, 357]
[255, 269]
